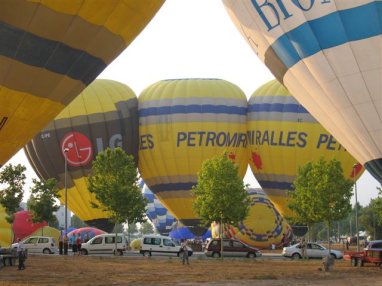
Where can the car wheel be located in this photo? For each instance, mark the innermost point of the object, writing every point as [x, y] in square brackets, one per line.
[333, 256]
[84, 252]
[147, 253]
[296, 256]
[118, 252]
[46, 251]
[216, 254]
[251, 255]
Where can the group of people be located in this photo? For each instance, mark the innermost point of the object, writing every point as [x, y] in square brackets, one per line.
[74, 242]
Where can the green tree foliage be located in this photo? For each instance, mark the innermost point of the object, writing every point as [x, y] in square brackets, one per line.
[114, 182]
[321, 193]
[146, 228]
[13, 178]
[377, 206]
[220, 194]
[76, 222]
[42, 201]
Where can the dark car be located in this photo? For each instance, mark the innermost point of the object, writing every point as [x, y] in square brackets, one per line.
[374, 244]
[231, 247]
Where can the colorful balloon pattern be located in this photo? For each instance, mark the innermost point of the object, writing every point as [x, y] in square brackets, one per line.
[183, 122]
[161, 218]
[328, 55]
[104, 115]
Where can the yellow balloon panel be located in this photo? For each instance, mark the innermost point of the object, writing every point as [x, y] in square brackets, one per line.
[264, 225]
[282, 136]
[6, 233]
[181, 124]
[53, 50]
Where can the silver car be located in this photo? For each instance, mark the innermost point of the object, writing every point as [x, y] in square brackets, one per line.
[313, 250]
[38, 244]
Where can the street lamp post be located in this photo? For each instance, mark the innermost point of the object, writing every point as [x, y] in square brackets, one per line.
[356, 206]
[66, 150]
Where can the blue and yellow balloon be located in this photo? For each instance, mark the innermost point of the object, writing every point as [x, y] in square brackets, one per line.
[183, 122]
[283, 136]
[328, 55]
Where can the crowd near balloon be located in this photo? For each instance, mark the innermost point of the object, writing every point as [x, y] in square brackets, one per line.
[325, 102]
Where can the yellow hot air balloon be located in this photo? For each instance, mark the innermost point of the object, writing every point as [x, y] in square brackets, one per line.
[182, 123]
[264, 225]
[6, 232]
[282, 136]
[328, 55]
[104, 115]
[51, 50]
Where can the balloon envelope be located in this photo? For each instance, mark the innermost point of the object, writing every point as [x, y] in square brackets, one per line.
[51, 50]
[183, 122]
[23, 225]
[6, 232]
[328, 55]
[282, 136]
[264, 224]
[104, 115]
[161, 218]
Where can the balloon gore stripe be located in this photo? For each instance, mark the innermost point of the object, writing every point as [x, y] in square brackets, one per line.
[59, 58]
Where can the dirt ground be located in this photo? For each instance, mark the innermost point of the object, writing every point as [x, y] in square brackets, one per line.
[91, 270]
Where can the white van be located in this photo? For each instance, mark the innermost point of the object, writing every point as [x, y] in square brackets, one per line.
[105, 244]
[38, 244]
[160, 244]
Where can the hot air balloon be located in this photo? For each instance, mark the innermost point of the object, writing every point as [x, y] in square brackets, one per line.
[282, 136]
[51, 50]
[6, 232]
[162, 219]
[264, 225]
[183, 122]
[328, 55]
[104, 115]
[23, 225]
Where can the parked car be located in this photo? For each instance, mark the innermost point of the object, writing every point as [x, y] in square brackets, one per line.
[161, 244]
[313, 250]
[374, 244]
[105, 244]
[38, 244]
[231, 247]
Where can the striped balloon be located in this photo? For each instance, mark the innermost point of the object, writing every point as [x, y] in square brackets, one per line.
[182, 123]
[104, 115]
[328, 54]
[161, 218]
[51, 50]
[282, 136]
[264, 224]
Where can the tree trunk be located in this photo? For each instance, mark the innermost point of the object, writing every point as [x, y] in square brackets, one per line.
[221, 238]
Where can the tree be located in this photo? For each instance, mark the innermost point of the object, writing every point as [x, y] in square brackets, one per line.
[146, 228]
[220, 194]
[12, 195]
[42, 201]
[76, 222]
[321, 194]
[114, 182]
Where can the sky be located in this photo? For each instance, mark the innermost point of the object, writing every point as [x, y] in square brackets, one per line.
[194, 39]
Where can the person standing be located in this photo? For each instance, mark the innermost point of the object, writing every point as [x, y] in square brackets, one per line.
[61, 244]
[66, 244]
[184, 249]
[73, 241]
[20, 254]
[79, 243]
